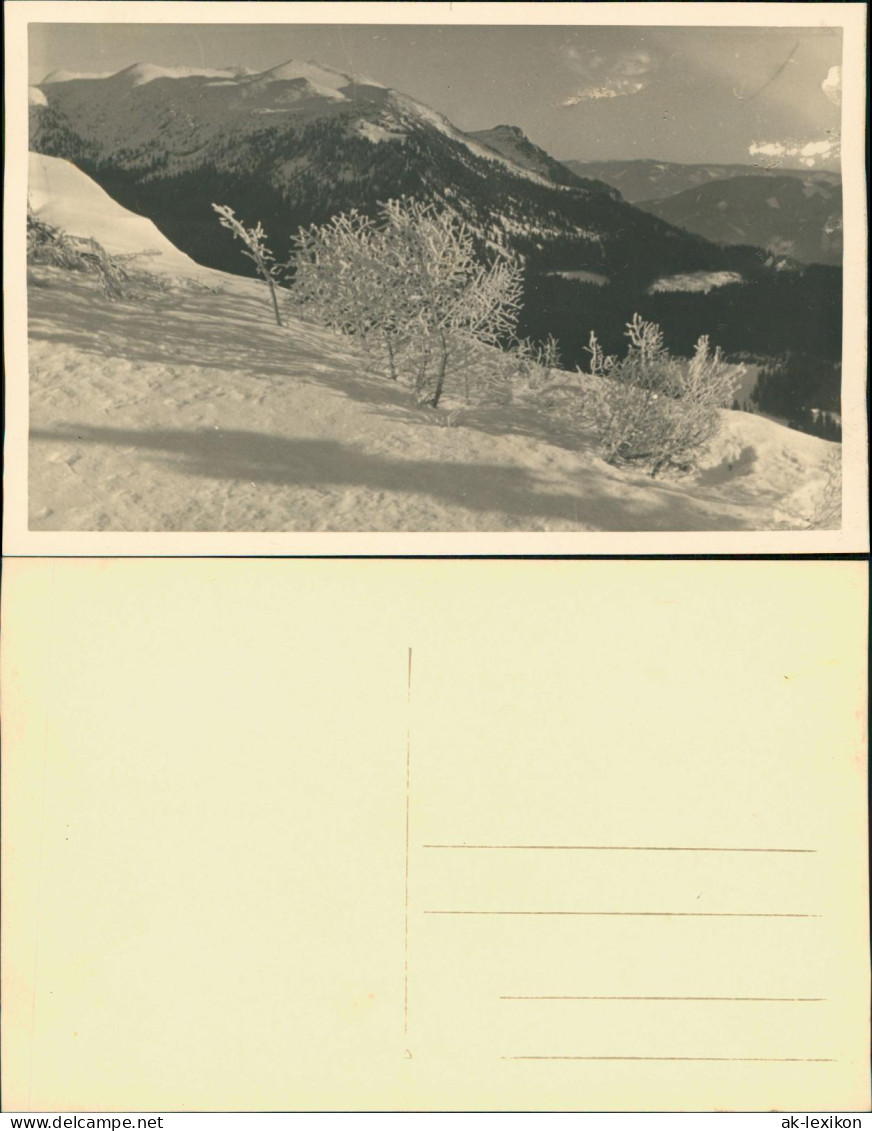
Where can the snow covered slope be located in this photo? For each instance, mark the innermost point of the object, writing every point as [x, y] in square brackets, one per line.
[63, 196]
[190, 410]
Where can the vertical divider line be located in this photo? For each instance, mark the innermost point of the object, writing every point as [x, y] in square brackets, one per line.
[406, 894]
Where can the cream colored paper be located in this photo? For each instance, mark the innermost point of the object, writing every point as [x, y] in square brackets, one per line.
[241, 819]
[853, 537]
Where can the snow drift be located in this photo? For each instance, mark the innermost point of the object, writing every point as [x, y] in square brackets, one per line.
[65, 197]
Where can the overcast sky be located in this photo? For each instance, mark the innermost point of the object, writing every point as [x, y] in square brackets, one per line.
[677, 94]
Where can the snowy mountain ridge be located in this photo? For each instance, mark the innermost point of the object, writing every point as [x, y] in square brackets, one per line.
[303, 141]
[514, 145]
[281, 88]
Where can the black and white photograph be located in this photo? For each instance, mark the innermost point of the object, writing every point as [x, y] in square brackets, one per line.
[386, 277]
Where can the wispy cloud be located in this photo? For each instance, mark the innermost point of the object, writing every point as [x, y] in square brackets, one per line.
[604, 76]
[593, 93]
[807, 153]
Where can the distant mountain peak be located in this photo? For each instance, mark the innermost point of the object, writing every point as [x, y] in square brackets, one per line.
[513, 144]
[799, 216]
[513, 131]
[139, 74]
[646, 179]
[316, 73]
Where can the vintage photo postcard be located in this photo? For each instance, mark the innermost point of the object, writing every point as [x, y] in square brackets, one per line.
[429, 278]
[414, 835]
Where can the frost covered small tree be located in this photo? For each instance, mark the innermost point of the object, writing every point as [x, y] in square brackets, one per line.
[653, 407]
[410, 279]
[341, 280]
[255, 249]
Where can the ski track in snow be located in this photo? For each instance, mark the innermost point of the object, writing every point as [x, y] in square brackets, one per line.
[191, 411]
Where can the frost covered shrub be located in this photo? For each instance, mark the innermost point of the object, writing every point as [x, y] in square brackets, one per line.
[410, 281]
[817, 505]
[255, 249]
[653, 408]
[53, 247]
